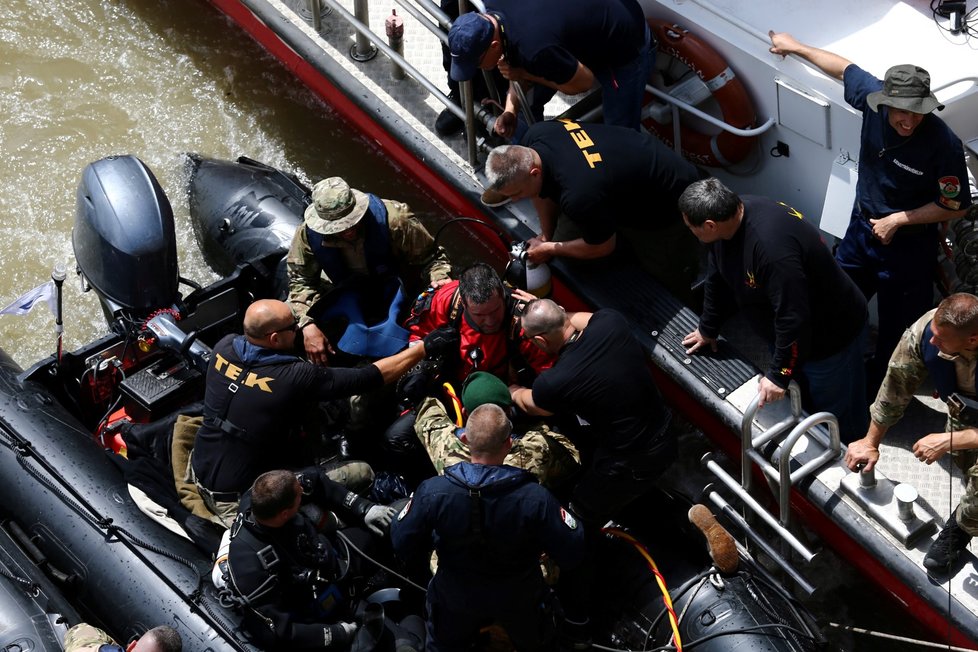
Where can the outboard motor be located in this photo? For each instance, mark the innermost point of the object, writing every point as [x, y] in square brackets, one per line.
[124, 239]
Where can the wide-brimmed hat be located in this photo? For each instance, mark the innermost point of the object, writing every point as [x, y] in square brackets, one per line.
[482, 387]
[335, 206]
[905, 87]
[468, 39]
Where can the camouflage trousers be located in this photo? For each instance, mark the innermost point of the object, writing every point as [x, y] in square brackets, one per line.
[85, 638]
[967, 511]
[547, 454]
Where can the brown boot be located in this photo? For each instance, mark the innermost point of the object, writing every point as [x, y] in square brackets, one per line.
[723, 548]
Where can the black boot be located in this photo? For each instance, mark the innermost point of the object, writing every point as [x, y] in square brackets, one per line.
[447, 123]
[944, 551]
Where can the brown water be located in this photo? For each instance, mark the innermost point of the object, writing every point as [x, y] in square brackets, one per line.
[83, 79]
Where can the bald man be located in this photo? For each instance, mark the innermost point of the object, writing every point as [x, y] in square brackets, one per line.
[257, 393]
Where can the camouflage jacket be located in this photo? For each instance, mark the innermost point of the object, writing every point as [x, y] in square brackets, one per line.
[907, 371]
[85, 638]
[411, 245]
[548, 455]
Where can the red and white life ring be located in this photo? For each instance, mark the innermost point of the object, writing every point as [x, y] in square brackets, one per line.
[714, 150]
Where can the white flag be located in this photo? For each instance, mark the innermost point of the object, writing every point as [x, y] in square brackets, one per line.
[24, 303]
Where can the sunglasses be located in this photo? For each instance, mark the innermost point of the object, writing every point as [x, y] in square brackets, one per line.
[293, 327]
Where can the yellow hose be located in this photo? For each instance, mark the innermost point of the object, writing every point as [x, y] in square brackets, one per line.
[673, 621]
[456, 403]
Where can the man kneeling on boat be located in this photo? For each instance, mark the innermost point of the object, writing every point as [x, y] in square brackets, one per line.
[353, 264]
[943, 344]
[291, 569]
[257, 397]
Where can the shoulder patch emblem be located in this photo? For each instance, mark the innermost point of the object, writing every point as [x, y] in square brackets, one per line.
[567, 518]
[950, 186]
[404, 511]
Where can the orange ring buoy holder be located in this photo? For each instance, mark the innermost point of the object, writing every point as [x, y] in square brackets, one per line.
[713, 150]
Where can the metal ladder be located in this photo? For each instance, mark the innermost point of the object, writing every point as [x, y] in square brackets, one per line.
[777, 469]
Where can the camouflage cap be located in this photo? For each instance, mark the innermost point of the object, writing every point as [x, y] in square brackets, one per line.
[482, 387]
[335, 206]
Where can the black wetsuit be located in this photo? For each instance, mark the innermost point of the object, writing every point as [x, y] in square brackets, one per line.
[292, 576]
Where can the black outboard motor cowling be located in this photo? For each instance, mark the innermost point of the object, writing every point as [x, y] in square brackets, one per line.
[124, 239]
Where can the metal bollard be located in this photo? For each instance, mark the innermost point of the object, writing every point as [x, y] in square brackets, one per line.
[905, 495]
[394, 26]
[867, 479]
[363, 49]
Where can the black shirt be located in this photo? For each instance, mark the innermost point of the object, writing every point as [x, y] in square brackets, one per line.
[603, 176]
[549, 37]
[604, 377]
[779, 272]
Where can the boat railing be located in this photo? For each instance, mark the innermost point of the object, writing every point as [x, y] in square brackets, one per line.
[678, 105]
[771, 451]
[368, 42]
[796, 427]
[430, 16]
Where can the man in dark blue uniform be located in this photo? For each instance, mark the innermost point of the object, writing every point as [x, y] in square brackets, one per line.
[768, 262]
[285, 565]
[257, 395]
[562, 46]
[489, 524]
[912, 175]
[599, 177]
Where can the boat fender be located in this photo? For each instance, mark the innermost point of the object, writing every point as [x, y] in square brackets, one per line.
[713, 150]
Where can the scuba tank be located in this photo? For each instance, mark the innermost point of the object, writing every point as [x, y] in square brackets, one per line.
[534, 278]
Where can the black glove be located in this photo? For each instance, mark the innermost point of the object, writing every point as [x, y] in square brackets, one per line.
[441, 342]
[417, 384]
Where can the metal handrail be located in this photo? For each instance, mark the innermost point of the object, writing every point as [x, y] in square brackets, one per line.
[747, 440]
[411, 71]
[685, 106]
[786, 476]
[783, 475]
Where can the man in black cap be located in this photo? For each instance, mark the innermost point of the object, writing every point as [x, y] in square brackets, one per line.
[912, 175]
[562, 46]
[356, 241]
